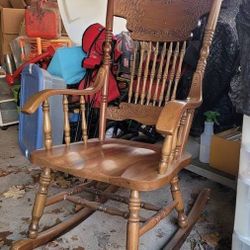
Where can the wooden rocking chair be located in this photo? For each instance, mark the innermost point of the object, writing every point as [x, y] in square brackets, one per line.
[162, 28]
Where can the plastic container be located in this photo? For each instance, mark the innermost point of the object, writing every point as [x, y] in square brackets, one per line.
[241, 237]
[35, 79]
[78, 15]
[205, 144]
[240, 243]
[8, 113]
[8, 107]
[242, 212]
[244, 169]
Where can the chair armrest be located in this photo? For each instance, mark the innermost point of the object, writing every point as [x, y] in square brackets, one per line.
[172, 113]
[35, 101]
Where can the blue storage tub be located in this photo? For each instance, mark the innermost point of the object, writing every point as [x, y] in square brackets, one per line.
[33, 80]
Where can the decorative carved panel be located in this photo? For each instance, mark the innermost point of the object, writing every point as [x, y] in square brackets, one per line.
[147, 115]
[155, 20]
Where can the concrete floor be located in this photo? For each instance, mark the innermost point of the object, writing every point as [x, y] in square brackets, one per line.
[212, 231]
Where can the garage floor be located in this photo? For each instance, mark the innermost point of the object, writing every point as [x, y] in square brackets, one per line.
[18, 183]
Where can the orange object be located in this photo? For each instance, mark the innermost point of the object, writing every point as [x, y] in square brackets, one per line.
[42, 19]
[10, 78]
[37, 46]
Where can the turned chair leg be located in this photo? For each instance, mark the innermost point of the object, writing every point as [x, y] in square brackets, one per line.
[133, 221]
[40, 202]
[177, 196]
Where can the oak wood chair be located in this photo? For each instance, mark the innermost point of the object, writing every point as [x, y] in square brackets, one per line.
[163, 29]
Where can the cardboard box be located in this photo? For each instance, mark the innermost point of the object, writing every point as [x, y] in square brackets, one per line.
[11, 20]
[5, 4]
[225, 151]
[18, 4]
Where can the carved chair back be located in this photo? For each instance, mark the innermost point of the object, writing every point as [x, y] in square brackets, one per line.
[161, 29]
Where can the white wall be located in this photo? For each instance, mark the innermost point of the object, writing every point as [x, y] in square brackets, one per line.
[77, 15]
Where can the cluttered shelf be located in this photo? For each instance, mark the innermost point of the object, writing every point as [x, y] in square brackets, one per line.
[222, 161]
[205, 170]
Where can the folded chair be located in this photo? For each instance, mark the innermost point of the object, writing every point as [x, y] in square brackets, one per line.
[162, 29]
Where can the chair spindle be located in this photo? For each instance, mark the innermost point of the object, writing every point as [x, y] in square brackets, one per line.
[178, 73]
[166, 151]
[146, 70]
[152, 73]
[165, 74]
[47, 129]
[173, 147]
[132, 65]
[159, 74]
[172, 73]
[66, 120]
[143, 50]
[188, 123]
[84, 121]
[180, 135]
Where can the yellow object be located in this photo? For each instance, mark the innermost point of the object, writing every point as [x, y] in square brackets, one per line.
[39, 45]
[225, 151]
[9, 28]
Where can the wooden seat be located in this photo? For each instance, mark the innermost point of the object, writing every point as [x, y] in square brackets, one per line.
[162, 30]
[129, 164]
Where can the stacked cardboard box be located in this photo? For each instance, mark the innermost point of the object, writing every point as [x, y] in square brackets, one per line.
[11, 21]
[12, 16]
[225, 151]
[17, 4]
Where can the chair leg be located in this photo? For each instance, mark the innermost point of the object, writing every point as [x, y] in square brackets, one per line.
[40, 202]
[133, 221]
[177, 196]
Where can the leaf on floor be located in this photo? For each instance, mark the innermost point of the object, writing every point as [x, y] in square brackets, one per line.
[211, 239]
[74, 238]
[35, 177]
[56, 211]
[62, 183]
[203, 218]
[11, 170]
[26, 219]
[160, 234]
[30, 186]
[15, 192]
[58, 221]
[4, 173]
[52, 244]
[3, 237]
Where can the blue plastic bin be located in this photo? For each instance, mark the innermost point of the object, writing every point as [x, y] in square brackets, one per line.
[33, 80]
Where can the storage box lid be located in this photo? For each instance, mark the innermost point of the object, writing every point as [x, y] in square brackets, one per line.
[5, 4]
[77, 15]
[11, 20]
[18, 4]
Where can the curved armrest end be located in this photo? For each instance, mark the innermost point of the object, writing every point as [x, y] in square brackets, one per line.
[37, 99]
[170, 117]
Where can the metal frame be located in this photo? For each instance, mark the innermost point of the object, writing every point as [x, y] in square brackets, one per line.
[2, 124]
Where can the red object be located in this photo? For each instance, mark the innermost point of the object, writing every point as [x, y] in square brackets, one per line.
[10, 79]
[42, 19]
[113, 91]
[92, 43]
[94, 34]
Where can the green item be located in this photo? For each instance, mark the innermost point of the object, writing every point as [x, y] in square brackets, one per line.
[16, 92]
[211, 116]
